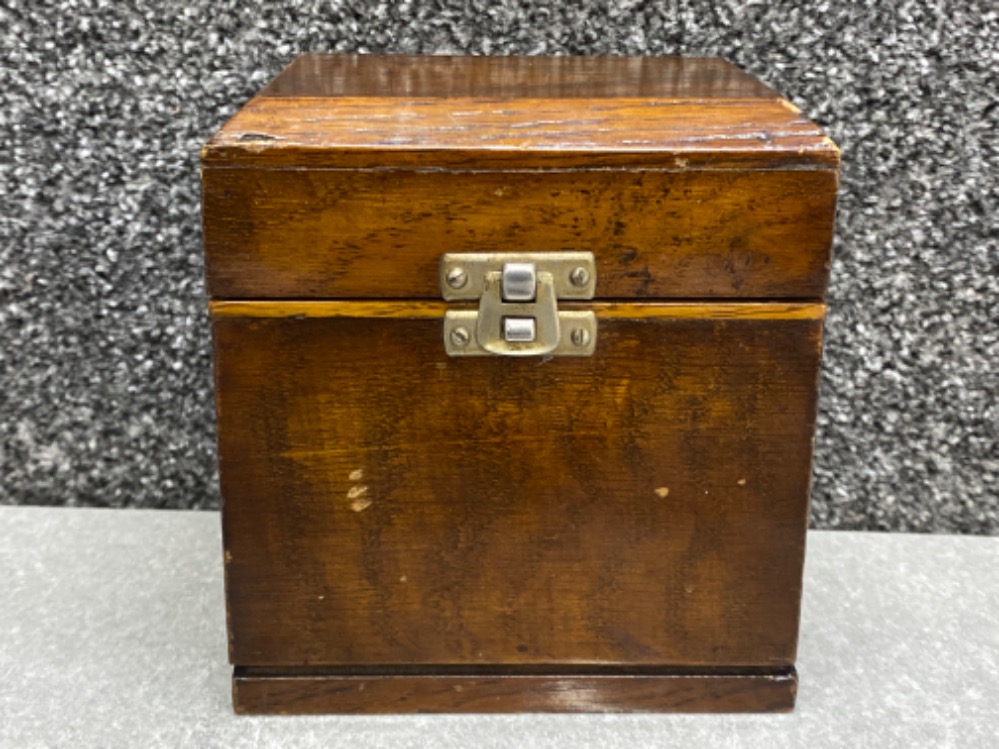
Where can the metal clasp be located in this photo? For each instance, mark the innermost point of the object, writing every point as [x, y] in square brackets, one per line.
[518, 295]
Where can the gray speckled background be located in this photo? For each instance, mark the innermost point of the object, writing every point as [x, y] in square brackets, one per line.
[105, 389]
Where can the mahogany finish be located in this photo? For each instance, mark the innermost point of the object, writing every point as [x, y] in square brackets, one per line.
[515, 77]
[258, 692]
[472, 134]
[320, 234]
[406, 531]
[462, 113]
[387, 504]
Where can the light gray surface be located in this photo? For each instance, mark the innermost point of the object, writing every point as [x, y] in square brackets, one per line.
[106, 385]
[112, 635]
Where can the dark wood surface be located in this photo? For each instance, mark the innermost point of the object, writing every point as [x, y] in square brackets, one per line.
[406, 531]
[515, 77]
[474, 113]
[544, 133]
[258, 691]
[385, 504]
[273, 233]
[685, 177]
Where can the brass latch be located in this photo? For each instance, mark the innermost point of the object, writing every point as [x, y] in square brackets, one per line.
[518, 295]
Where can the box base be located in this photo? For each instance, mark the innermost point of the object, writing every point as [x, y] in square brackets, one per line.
[429, 689]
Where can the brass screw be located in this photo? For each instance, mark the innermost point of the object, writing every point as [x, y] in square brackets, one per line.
[579, 276]
[580, 336]
[460, 337]
[457, 278]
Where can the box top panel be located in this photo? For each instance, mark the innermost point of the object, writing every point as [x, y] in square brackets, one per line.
[516, 77]
[366, 111]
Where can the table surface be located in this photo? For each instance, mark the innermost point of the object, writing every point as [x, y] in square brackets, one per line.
[112, 625]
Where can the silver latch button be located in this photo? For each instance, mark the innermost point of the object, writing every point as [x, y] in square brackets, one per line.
[519, 330]
[520, 282]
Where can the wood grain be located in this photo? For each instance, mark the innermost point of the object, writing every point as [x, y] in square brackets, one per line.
[475, 134]
[406, 532]
[478, 113]
[313, 234]
[259, 691]
[514, 77]
[384, 504]
[436, 310]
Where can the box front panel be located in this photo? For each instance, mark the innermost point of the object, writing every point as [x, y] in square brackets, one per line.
[380, 234]
[385, 504]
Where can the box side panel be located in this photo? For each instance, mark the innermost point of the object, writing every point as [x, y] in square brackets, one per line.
[385, 504]
[329, 234]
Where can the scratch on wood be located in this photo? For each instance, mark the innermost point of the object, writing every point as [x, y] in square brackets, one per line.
[360, 504]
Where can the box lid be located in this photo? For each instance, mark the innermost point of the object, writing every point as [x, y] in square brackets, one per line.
[363, 110]
[349, 175]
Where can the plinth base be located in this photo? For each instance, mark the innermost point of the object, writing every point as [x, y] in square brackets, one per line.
[443, 689]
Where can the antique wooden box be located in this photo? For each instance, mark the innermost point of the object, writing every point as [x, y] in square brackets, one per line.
[516, 364]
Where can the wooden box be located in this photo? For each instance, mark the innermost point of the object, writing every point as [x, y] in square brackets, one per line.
[516, 367]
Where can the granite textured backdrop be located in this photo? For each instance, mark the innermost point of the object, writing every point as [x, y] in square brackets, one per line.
[105, 386]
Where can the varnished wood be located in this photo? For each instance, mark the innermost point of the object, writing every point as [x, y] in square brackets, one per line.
[260, 691]
[436, 310]
[472, 134]
[515, 77]
[409, 532]
[387, 504]
[298, 234]
[467, 113]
